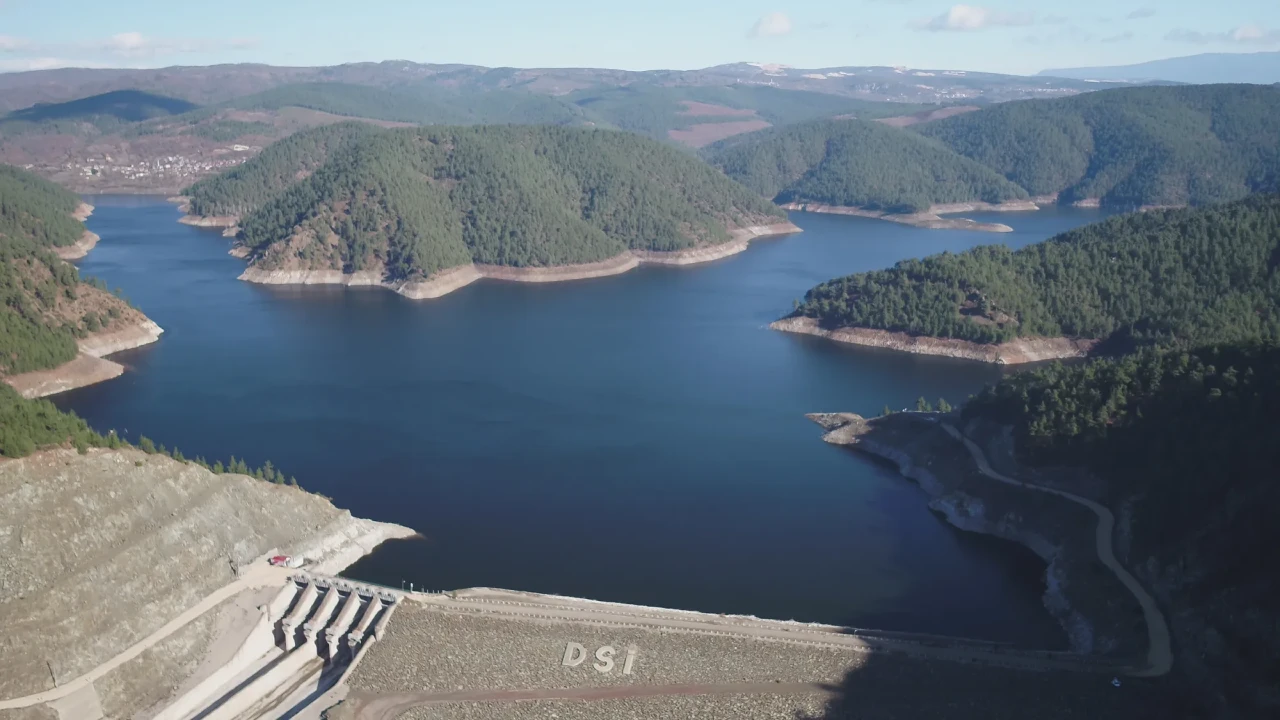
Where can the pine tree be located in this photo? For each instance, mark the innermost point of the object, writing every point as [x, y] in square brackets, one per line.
[923, 405]
[943, 405]
[217, 467]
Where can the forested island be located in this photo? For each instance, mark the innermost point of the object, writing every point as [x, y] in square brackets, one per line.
[54, 325]
[1130, 148]
[425, 210]
[1174, 277]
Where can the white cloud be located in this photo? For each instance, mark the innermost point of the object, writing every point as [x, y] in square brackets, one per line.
[45, 63]
[771, 25]
[135, 44]
[1243, 35]
[1141, 13]
[9, 43]
[967, 18]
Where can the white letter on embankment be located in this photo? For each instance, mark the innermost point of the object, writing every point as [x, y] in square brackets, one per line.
[605, 656]
[574, 654]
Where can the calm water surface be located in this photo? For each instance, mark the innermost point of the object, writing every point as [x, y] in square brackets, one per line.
[639, 438]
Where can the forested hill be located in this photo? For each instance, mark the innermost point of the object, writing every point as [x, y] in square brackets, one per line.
[1185, 443]
[857, 163]
[1129, 147]
[247, 187]
[409, 202]
[1184, 277]
[36, 211]
[44, 306]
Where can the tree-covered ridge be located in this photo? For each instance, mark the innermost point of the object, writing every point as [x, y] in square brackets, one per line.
[1130, 146]
[44, 304]
[248, 186]
[857, 163]
[34, 209]
[411, 202]
[1188, 277]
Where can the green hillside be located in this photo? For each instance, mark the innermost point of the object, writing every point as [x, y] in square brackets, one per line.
[410, 202]
[36, 211]
[1131, 146]
[1188, 277]
[44, 305]
[247, 187]
[856, 163]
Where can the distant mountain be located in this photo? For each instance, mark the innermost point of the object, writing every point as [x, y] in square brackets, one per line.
[407, 203]
[1262, 68]
[857, 163]
[219, 83]
[1130, 147]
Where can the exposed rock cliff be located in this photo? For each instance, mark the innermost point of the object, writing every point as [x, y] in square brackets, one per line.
[1014, 352]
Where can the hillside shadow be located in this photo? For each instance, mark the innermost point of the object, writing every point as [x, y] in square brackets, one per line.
[124, 105]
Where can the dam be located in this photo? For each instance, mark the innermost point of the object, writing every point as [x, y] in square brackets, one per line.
[326, 647]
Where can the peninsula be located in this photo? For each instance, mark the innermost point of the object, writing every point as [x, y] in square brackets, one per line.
[425, 211]
[1045, 458]
[56, 327]
[1146, 279]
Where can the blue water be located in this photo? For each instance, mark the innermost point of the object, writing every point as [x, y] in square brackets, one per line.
[639, 438]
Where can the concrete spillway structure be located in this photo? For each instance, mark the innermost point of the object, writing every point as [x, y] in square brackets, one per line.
[308, 638]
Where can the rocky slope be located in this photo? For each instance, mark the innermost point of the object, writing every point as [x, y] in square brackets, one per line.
[97, 551]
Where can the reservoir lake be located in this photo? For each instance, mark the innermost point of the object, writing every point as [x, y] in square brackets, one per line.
[638, 438]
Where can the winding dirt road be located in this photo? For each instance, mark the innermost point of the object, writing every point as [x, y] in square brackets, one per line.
[1159, 649]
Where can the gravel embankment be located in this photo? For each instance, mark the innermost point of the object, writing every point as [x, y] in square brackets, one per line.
[430, 650]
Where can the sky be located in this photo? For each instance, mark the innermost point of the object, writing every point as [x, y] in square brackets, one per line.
[1007, 36]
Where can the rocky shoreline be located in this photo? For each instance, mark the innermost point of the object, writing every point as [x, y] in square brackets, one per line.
[930, 219]
[446, 281]
[1014, 352]
[87, 239]
[1094, 610]
[89, 366]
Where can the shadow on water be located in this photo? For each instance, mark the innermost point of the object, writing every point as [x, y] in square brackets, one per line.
[897, 687]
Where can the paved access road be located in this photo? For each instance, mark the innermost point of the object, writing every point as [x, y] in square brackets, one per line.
[1159, 649]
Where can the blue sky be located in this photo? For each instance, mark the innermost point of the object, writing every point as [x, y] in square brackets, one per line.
[991, 35]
